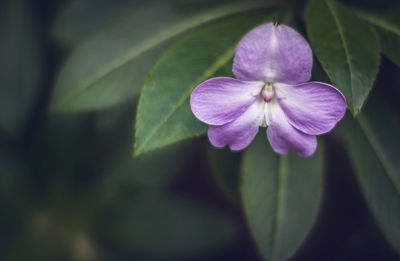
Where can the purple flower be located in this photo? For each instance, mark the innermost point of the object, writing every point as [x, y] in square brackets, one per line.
[272, 65]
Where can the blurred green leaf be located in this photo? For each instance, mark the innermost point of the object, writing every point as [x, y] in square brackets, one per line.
[386, 22]
[13, 173]
[281, 196]
[21, 64]
[110, 67]
[226, 165]
[153, 170]
[347, 48]
[78, 19]
[162, 227]
[374, 148]
[164, 114]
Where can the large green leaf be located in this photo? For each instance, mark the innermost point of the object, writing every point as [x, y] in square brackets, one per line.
[386, 22]
[21, 64]
[281, 196]
[347, 48]
[374, 146]
[110, 67]
[164, 114]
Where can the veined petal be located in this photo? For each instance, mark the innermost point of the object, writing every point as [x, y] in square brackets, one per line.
[239, 133]
[220, 100]
[313, 108]
[273, 53]
[283, 137]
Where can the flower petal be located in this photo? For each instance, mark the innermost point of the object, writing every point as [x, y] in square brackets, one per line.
[273, 53]
[220, 100]
[283, 137]
[239, 133]
[313, 108]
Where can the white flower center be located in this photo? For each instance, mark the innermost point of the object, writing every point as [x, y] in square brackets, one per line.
[268, 92]
[267, 99]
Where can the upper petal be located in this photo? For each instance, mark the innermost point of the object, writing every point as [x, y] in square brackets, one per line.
[220, 100]
[273, 53]
[239, 133]
[313, 108]
[283, 137]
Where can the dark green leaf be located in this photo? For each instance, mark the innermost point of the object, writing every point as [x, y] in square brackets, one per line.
[21, 64]
[110, 67]
[347, 48]
[164, 114]
[281, 196]
[387, 25]
[374, 148]
[387, 19]
[390, 43]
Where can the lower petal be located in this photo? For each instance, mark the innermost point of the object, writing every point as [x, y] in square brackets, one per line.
[239, 133]
[283, 137]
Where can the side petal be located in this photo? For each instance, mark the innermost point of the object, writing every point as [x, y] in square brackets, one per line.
[283, 137]
[313, 108]
[273, 53]
[239, 133]
[220, 100]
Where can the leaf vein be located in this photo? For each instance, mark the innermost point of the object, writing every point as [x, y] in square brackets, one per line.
[222, 60]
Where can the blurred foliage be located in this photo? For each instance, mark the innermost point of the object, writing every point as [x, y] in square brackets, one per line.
[21, 64]
[70, 189]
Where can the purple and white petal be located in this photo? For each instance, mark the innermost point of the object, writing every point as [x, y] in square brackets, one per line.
[313, 108]
[283, 137]
[221, 100]
[274, 54]
[239, 133]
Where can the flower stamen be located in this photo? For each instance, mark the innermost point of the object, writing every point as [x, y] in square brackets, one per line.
[268, 92]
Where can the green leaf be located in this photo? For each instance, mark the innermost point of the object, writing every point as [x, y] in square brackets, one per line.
[281, 196]
[389, 43]
[386, 22]
[164, 114]
[387, 19]
[21, 64]
[110, 67]
[162, 227]
[374, 147]
[347, 48]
